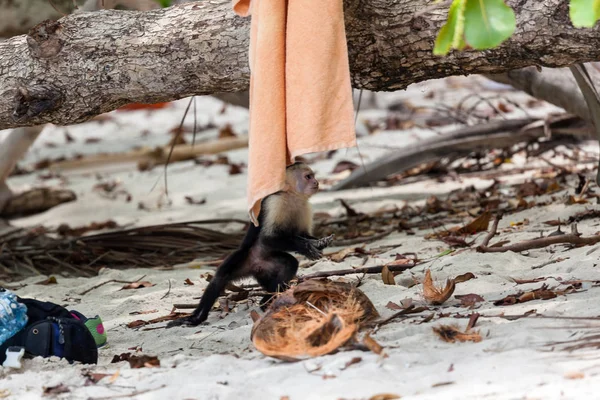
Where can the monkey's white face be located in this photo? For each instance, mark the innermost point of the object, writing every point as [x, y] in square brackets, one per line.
[306, 183]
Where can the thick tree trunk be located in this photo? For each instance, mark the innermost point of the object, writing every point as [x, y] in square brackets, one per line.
[68, 71]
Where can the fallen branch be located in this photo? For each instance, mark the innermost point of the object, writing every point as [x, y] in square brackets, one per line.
[147, 158]
[493, 135]
[569, 238]
[363, 270]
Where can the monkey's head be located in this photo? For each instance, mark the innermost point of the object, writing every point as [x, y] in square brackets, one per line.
[301, 179]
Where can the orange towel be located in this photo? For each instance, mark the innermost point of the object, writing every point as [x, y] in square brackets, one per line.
[300, 90]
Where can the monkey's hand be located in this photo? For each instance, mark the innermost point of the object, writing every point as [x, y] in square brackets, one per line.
[324, 242]
[308, 248]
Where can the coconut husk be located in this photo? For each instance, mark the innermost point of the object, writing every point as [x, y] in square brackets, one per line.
[311, 319]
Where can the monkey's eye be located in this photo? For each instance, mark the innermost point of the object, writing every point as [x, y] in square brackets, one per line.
[308, 177]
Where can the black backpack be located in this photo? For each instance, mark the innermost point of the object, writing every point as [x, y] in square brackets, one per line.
[52, 330]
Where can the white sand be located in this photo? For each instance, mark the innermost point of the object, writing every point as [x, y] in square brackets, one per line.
[513, 361]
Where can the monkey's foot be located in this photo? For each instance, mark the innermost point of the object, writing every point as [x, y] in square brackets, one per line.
[187, 321]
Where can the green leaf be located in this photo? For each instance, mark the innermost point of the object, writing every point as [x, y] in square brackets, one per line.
[584, 13]
[488, 23]
[451, 34]
[164, 3]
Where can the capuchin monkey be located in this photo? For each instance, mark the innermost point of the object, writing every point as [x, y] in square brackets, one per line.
[285, 225]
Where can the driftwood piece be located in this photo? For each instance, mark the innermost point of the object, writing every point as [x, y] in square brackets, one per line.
[485, 136]
[493, 135]
[573, 238]
[151, 157]
[586, 85]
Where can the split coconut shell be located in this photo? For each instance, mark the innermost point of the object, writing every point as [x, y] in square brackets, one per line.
[314, 318]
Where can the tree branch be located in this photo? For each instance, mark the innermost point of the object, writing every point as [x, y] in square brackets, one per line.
[67, 71]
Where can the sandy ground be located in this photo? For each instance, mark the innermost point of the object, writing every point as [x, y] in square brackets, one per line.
[517, 359]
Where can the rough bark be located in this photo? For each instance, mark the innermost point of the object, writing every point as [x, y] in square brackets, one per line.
[68, 71]
[17, 16]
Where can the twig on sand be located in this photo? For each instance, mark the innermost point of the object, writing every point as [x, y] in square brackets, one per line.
[109, 281]
[364, 270]
[492, 233]
[168, 291]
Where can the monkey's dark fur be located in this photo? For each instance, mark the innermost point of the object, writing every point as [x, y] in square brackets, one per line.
[285, 225]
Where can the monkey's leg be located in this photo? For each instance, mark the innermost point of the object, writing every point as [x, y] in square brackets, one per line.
[274, 274]
[226, 272]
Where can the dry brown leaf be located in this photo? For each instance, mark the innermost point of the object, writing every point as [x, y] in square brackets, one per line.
[50, 281]
[479, 224]
[469, 300]
[93, 378]
[143, 361]
[543, 293]
[342, 254]
[553, 222]
[451, 333]
[537, 295]
[235, 169]
[371, 344]
[354, 360]
[226, 132]
[454, 241]
[473, 318]
[54, 390]
[344, 166]
[387, 276]
[137, 285]
[464, 277]
[384, 396]
[522, 281]
[188, 282]
[393, 306]
[576, 200]
[195, 201]
[136, 324]
[400, 261]
[437, 295]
